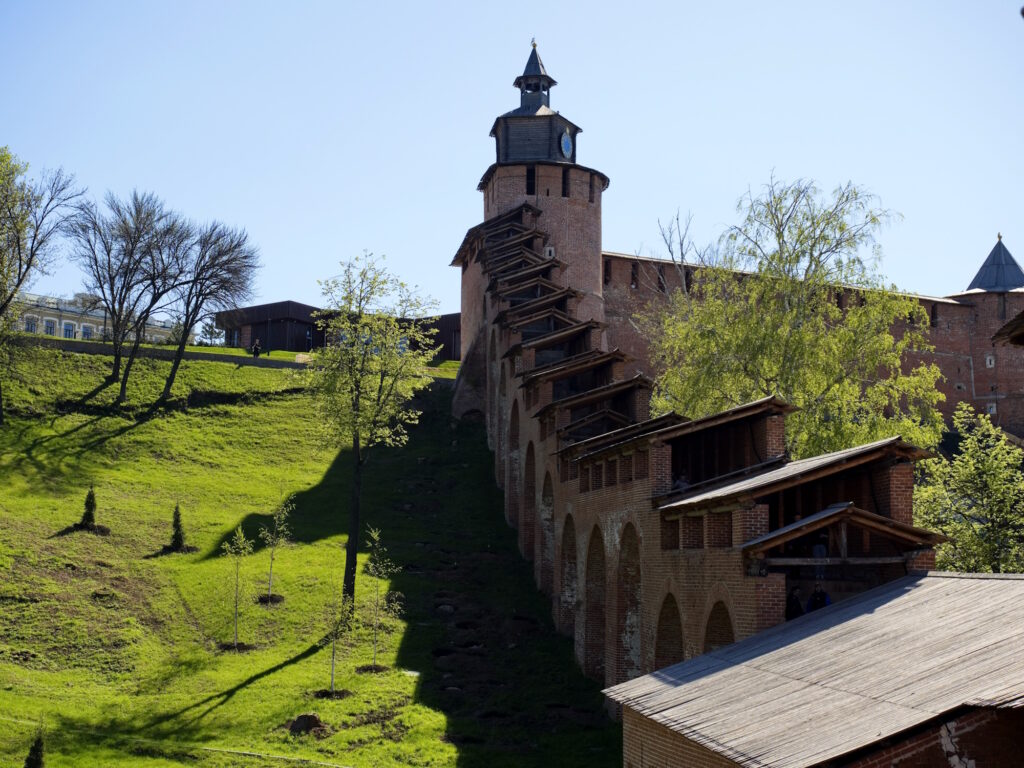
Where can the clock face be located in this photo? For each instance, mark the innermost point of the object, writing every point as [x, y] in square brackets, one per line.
[566, 145]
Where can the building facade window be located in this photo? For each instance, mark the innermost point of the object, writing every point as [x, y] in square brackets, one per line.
[86, 331]
[50, 327]
[69, 330]
[30, 325]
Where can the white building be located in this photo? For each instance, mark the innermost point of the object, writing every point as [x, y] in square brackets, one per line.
[75, 319]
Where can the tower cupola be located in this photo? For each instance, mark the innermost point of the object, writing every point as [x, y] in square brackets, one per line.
[533, 132]
[534, 84]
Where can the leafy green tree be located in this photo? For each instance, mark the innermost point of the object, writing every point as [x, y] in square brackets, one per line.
[32, 213]
[379, 341]
[382, 569]
[177, 531]
[793, 305]
[274, 536]
[976, 498]
[88, 520]
[210, 334]
[237, 548]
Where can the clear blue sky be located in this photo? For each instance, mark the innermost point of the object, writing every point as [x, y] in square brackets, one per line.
[327, 128]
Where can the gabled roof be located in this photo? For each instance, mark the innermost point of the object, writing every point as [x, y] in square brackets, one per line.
[731, 493]
[1000, 272]
[877, 664]
[844, 511]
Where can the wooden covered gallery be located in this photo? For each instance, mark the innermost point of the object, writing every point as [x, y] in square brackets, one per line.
[923, 672]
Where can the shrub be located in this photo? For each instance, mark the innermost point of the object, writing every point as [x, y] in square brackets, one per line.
[177, 532]
[89, 515]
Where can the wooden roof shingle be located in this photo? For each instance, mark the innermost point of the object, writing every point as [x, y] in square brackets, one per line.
[844, 677]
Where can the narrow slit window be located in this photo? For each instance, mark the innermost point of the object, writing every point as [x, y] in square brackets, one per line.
[591, 194]
[634, 275]
[565, 182]
[531, 180]
[606, 278]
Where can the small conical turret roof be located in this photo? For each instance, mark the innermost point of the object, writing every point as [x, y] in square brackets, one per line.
[999, 273]
[534, 70]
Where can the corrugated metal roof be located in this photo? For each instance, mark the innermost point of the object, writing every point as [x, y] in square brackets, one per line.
[999, 273]
[757, 483]
[847, 676]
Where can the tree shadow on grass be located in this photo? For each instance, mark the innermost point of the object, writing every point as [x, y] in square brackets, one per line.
[320, 511]
[181, 724]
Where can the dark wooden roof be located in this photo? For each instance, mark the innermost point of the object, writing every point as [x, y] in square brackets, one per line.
[621, 436]
[570, 366]
[733, 493]
[847, 676]
[886, 526]
[598, 393]
[766, 405]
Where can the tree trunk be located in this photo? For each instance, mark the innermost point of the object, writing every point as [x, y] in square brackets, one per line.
[1, 402]
[334, 643]
[352, 545]
[115, 368]
[376, 616]
[179, 353]
[270, 579]
[123, 395]
[237, 579]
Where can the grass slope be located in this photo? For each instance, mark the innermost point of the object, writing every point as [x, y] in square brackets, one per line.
[115, 650]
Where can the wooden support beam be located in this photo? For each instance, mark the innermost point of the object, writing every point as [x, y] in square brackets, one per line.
[834, 560]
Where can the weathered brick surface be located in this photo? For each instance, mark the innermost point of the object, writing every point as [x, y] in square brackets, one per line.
[979, 738]
[634, 590]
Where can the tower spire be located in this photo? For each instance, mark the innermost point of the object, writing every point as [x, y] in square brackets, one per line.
[535, 83]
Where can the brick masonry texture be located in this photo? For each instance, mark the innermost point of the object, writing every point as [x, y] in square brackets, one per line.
[634, 589]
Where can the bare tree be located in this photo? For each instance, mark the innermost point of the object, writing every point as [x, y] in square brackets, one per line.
[218, 275]
[112, 249]
[162, 272]
[32, 213]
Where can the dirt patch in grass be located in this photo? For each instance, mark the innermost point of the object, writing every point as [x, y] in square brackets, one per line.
[270, 599]
[308, 723]
[371, 669]
[232, 648]
[336, 695]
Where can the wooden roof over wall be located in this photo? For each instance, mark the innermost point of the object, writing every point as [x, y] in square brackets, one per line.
[847, 676]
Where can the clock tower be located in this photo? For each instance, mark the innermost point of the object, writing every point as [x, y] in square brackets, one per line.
[535, 163]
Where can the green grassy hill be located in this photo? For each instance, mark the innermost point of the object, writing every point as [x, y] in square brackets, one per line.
[115, 647]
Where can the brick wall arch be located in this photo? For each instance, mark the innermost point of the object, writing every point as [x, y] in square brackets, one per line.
[501, 439]
[718, 630]
[669, 647]
[594, 601]
[513, 474]
[528, 509]
[546, 536]
[628, 608]
[493, 373]
[568, 579]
